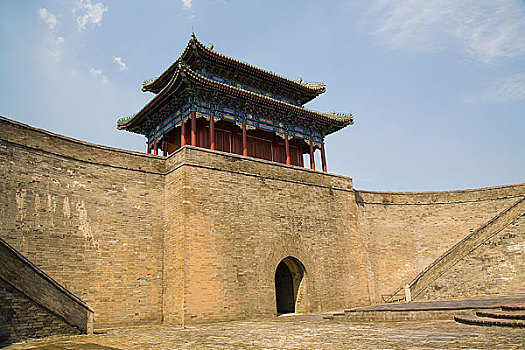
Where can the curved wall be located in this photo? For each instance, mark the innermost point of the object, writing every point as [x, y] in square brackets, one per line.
[405, 232]
[496, 267]
[197, 236]
[90, 216]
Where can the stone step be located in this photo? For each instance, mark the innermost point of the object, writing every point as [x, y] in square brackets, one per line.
[333, 314]
[484, 321]
[512, 315]
[517, 306]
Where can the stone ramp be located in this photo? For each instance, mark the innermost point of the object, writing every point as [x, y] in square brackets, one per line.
[32, 304]
[460, 250]
[426, 310]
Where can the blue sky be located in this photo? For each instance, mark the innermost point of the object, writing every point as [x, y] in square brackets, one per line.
[437, 88]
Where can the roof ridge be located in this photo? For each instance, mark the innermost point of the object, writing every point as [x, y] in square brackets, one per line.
[299, 82]
[319, 87]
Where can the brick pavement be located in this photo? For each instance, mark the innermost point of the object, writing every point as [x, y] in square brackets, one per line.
[302, 332]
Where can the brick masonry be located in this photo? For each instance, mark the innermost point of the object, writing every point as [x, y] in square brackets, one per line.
[236, 218]
[22, 318]
[17, 273]
[197, 236]
[496, 267]
[405, 232]
[89, 216]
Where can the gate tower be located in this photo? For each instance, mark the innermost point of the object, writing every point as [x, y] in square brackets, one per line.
[233, 107]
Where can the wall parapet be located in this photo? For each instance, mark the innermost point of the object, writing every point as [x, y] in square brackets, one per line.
[248, 166]
[29, 137]
[440, 197]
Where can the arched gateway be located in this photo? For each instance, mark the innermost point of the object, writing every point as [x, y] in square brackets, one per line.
[289, 284]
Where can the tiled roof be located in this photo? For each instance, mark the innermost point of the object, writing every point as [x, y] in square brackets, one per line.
[316, 88]
[184, 70]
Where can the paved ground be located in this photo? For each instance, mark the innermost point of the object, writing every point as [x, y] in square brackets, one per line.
[458, 304]
[303, 332]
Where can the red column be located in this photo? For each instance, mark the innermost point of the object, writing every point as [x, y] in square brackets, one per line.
[212, 133]
[287, 149]
[155, 147]
[193, 128]
[312, 159]
[323, 157]
[182, 134]
[301, 153]
[275, 145]
[244, 141]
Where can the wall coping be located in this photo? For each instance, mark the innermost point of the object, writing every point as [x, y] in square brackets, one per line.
[77, 141]
[424, 196]
[467, 190]
[440, 197]
[258, 160]
[290, 173]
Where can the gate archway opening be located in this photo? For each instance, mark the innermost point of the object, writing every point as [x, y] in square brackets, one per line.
[290, 287]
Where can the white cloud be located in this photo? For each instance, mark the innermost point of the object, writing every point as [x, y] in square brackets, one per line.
[48, 17]
[187, 4]
[56, 50]
[485, 29]
[99, 73]
[121, 65]
[91, 13]
[510, 89]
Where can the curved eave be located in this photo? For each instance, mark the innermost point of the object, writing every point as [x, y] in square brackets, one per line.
[184, 72]
[341, 121]
[156, 84]
[175, 81]
[313, 88]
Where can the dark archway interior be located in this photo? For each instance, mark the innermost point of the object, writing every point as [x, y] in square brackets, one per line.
[284, 291]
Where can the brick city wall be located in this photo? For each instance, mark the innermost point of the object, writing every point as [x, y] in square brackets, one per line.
[198, 236]
[27, 291]
[405, 232]
[496, 267]
[22, 318]
[90, 216]
[233, 219]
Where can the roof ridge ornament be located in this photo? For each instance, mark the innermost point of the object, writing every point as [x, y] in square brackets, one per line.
[195, 47]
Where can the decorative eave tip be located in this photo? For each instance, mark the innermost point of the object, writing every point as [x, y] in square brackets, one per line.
[147, 82]
[346, 118]
[121, 123]
[318, 86]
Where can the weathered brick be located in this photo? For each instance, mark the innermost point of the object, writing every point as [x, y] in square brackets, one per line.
[198, 236]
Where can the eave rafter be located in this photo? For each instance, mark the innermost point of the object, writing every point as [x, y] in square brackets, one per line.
[184, 78]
